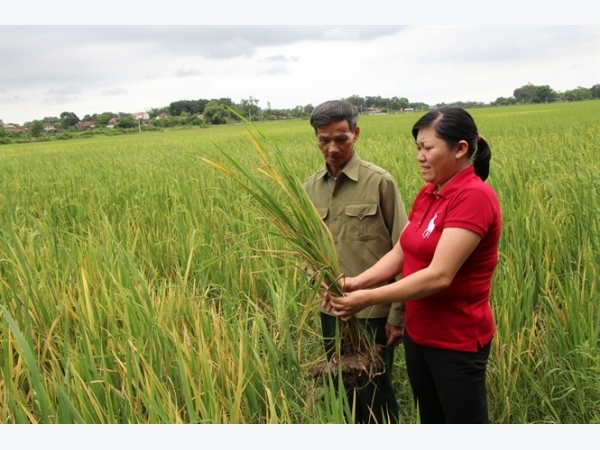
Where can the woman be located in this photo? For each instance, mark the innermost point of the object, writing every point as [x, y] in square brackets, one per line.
[446, 254]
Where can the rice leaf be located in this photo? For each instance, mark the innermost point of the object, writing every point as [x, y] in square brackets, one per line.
[30, 360]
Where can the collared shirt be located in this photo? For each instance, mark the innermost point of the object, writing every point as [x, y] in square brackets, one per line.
[458, 317]
[363, 210]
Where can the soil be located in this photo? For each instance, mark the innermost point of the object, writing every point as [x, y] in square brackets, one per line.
[357, 368]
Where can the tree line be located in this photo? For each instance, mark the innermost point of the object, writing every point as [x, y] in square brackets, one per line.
[205, 112]
[531, 93]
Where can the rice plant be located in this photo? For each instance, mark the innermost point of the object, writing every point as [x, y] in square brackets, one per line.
[296, 222]
[140, 285]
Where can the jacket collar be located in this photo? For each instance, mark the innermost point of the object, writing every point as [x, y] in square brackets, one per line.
[350, 169]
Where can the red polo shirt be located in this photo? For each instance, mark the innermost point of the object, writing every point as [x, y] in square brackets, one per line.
[458, 317]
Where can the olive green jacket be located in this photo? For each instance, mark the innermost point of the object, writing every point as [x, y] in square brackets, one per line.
[364, 212]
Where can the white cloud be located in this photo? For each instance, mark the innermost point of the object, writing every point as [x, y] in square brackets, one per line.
[115, 91]
[279, 58]
[273, 71]
[187, 72]
[69, 90]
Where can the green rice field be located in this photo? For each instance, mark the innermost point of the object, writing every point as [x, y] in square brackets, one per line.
[139, 285]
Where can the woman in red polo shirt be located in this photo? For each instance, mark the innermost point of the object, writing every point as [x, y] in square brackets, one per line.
[446, 254]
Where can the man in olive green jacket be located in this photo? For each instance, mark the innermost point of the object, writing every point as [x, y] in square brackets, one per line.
[360, 204]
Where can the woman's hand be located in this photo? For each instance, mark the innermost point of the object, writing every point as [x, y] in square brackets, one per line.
[346, 307]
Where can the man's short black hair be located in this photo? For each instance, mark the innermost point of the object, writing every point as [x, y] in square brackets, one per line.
[334, 111]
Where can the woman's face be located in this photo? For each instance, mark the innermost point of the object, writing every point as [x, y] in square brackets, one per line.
[439, 163]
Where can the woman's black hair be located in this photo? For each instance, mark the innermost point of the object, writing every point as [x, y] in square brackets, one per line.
[453, 124]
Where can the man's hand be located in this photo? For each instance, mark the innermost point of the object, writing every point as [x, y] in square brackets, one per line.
[394, 335]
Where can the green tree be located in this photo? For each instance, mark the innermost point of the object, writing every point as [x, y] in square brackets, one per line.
[216, 113]
[595, 91]
[398, 104]
[419, 106]
[226, 101]
[376, 102]
[356, 101]
[544, 94]
[193, 107]
[535, 94]
[248, 107]
[525, 94]
[103, 119]
[176, 108]
[153, 112]
[68, 119]
[503, 101]
[126, 121]
[36, 128]
[199, 106]
[298, 111]
[578, 94]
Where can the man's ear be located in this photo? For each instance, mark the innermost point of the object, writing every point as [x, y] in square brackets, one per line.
[356, 133]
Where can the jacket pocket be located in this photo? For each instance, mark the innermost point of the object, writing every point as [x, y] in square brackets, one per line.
[363, 221]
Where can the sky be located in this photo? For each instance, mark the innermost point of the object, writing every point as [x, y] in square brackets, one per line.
[47, 68]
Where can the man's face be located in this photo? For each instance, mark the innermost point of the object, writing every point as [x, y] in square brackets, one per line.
[336, 142]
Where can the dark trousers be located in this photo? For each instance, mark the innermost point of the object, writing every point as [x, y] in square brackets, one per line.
[376, 402]
[448, 386]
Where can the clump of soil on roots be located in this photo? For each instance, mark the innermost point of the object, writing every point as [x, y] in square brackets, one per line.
[358, 360]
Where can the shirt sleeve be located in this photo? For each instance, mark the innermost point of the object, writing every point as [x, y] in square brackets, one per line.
[472, 209]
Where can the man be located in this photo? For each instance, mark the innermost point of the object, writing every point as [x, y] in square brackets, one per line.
[360, 204]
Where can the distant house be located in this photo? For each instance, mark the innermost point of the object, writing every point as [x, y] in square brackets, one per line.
[86, 125]
[373, 111]
[277, 116]
[408, 110]
[49, 127]
[112, 122]
[162, 116]
[14, 127]
[141, 116]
